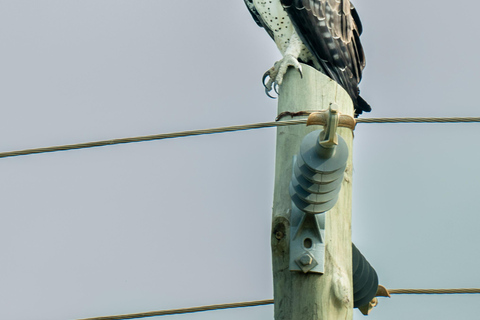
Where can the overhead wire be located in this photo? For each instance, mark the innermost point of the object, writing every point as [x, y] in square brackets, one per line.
[190, 133]
[266, 302]
[185, 310]
[161, 136]
[434, 291]
[420, 120]
[232, 129]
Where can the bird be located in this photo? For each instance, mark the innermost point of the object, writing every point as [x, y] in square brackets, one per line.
[324, 34]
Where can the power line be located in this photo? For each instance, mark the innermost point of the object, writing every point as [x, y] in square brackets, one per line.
[149, 138]
[267, 302]
[222, 130]
[186, 310]
[420, 120]
[434, 291]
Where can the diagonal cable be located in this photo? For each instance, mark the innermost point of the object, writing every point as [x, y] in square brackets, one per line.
[185, 310]
[267, 302]
[162, 136]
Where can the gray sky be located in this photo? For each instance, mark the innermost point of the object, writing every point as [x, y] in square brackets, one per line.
[186, 222]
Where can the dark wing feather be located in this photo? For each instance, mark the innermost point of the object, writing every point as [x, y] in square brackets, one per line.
[331, 31]
[356, 18]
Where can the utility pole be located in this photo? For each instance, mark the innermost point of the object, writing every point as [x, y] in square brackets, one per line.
[299, 295]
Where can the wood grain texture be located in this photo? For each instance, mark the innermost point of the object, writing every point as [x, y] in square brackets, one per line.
[311, 296]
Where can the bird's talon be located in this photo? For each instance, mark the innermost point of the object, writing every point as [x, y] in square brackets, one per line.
[265, 76]
[268, 93]
[275, 87]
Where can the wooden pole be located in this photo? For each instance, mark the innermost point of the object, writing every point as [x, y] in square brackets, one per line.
[311, 296]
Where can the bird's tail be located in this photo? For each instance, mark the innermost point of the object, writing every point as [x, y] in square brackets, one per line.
[361, 106]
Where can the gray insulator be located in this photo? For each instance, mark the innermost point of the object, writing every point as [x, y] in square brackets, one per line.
[365, 279]
[317, 174]
[311, 165]
[313, 208]
[310, 186]
[313, 197]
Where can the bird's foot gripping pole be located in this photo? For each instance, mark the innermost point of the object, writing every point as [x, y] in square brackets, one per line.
[276, 73]
[290, 59]
[317, 177]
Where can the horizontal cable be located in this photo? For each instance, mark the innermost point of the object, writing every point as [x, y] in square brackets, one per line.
[221, 130]
[267, 302]
[434, 291]
[420, 120]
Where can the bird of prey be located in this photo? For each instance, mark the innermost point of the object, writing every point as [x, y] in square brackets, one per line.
[322, 33]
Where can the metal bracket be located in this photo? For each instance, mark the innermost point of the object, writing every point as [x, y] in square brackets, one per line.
[307, 245]
[328, 138]
[321, 118]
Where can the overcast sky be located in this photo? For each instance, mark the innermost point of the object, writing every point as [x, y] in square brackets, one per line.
[186, 222]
